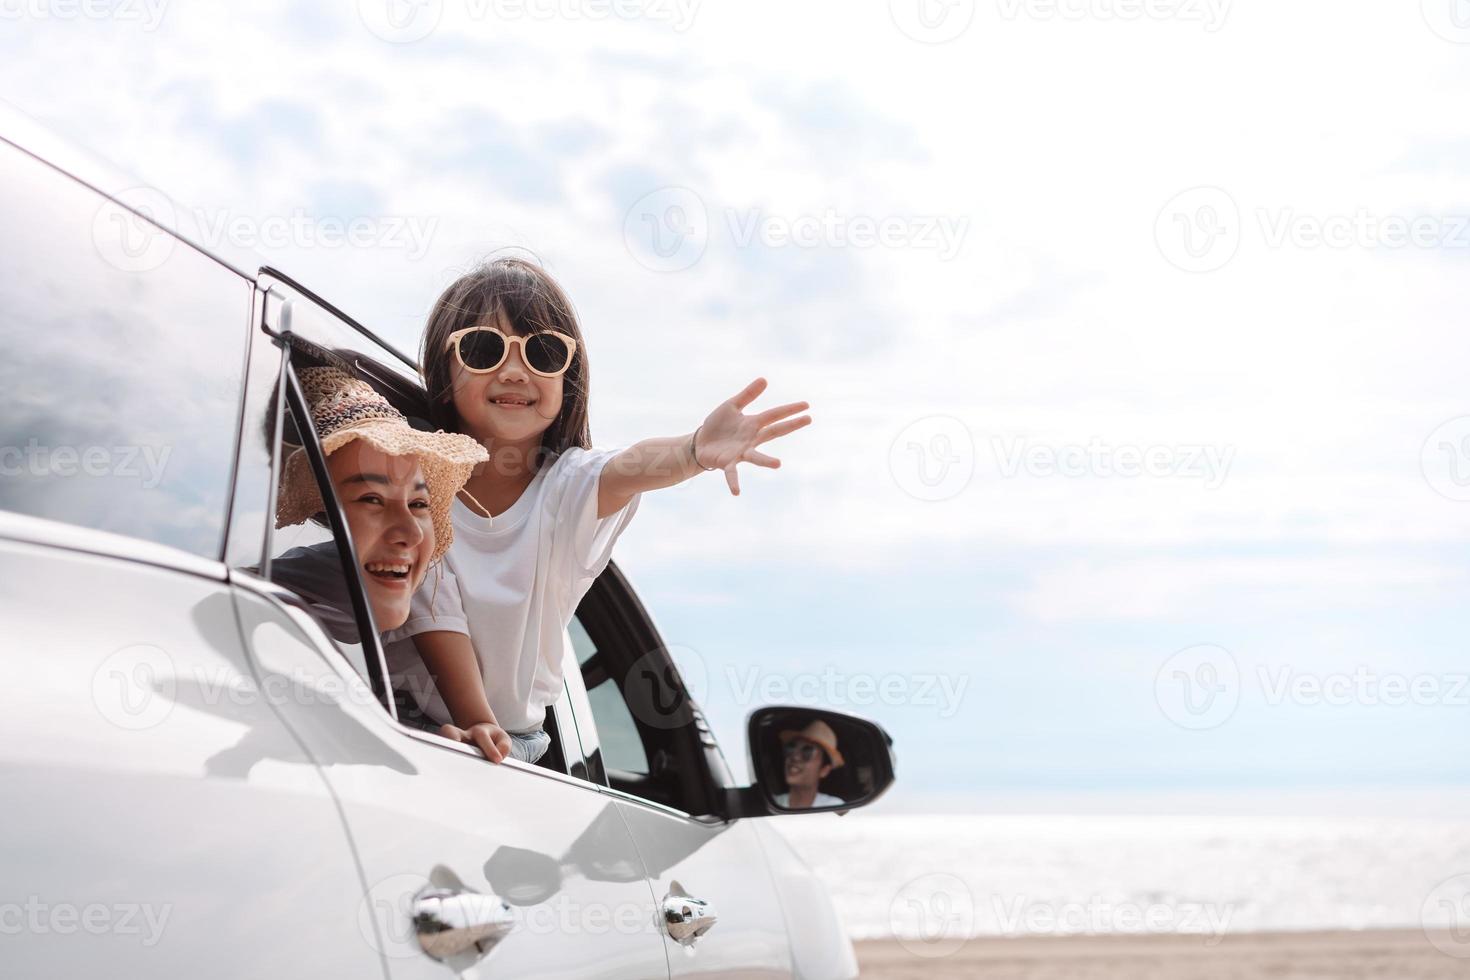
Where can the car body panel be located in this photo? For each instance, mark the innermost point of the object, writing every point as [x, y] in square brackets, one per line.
[820, 949]
[420, 808]
[723, 865]
[152, 790]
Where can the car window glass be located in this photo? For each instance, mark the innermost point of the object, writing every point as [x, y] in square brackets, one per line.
[121, 380]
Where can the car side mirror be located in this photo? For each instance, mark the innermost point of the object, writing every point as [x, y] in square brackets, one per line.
[808, 759]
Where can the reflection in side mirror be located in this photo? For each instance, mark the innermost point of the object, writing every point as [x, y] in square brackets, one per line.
[806, 759]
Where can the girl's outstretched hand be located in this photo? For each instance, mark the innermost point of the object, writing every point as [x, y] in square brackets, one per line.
[729, 436]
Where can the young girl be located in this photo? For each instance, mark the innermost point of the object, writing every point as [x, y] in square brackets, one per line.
[504, 361]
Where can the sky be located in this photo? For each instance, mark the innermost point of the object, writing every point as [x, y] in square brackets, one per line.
[1133, 334]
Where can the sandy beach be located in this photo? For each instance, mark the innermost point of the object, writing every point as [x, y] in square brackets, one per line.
[1382, 955]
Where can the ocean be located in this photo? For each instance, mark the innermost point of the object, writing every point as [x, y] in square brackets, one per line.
[948, 876]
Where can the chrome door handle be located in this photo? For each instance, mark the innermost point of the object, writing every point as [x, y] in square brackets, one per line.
[686, 919]
[451, 922]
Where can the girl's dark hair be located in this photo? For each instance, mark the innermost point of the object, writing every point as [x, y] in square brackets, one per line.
[525, 298]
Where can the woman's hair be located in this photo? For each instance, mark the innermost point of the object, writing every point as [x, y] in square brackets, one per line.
[523, 297]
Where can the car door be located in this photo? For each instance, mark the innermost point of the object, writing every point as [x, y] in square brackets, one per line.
[160, 820]
[535, 865]
[649, 745]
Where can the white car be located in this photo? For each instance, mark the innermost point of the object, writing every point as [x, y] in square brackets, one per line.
[204, 777]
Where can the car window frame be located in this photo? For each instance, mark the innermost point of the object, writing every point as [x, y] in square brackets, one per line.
[272, 326]
[697, 750]
[273, 320]
[261, 368]
[271, 323]
[293, 397]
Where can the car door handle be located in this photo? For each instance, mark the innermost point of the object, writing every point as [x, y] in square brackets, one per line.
[452, 922]
[686, 919]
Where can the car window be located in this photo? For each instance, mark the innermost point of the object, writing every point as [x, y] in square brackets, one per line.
[121, 380]
[305, 557]
[617, 732]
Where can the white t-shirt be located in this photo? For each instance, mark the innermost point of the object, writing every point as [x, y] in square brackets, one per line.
[512, 584]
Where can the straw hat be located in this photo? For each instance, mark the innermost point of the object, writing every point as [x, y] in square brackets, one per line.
[344, 408]
[819, 733]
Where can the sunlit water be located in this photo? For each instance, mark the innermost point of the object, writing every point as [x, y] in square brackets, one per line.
[1065, 875]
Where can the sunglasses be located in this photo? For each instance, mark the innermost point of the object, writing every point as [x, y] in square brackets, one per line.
[803, 751]
[483, 349]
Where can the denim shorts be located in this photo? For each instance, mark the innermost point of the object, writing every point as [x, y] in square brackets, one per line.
[529, 746]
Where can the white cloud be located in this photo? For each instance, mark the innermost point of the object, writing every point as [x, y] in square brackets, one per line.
[1058, 321]
[1180, 590]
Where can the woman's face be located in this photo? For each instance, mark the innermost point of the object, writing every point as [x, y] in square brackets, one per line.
[386, 501]
[806, 764]
[509, 405]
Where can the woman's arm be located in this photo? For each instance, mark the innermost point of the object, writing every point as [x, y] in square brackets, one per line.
[451, 661]
[726, 438]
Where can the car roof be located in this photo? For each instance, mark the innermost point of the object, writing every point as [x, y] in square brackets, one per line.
[83, 165]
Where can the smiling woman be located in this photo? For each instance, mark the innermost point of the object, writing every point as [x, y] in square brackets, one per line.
[395, 485]
[386, 502]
